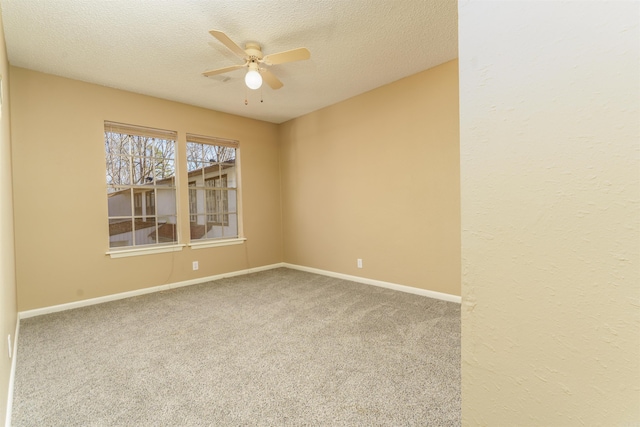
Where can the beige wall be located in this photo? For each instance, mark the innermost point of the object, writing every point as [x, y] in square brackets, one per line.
[550, 213]
[354, 175]
[376, 177]
[60, 191]
[8, 313]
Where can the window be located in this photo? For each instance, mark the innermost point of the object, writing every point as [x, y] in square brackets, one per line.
[213, 187]
[141, 187]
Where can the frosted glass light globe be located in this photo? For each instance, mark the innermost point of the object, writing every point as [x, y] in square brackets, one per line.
[253, 79]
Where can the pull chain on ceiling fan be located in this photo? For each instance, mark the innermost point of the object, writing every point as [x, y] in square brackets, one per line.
[254, 61]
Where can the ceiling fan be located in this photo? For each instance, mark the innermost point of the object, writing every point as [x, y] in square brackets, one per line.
[254, 61]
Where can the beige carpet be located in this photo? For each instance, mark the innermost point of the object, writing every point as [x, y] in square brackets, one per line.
[275, 348]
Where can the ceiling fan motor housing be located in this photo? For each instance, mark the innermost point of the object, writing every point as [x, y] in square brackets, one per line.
[253, 51]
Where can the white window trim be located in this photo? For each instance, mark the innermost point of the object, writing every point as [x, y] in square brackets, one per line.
[209, 243]
[145, 200]
[123, 253]
[219, 242]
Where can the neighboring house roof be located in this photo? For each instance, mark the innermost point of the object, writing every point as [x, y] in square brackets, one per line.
[125, 226]
[197, 231]
[167, 232]
[226, 165]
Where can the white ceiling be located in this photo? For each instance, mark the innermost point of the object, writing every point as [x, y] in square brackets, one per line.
[161, 47]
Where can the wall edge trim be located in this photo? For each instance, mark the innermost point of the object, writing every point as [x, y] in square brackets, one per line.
[379, 283]
[122, 295]
[12, 374]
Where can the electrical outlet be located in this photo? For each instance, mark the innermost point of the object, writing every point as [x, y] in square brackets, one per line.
[9, 346]
[195, 265]
[359, 263]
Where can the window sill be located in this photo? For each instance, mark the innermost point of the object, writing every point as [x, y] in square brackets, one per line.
[215, 243]
[144, 251]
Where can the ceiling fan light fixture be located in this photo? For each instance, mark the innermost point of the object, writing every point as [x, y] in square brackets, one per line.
[253, 58]
[253, 79]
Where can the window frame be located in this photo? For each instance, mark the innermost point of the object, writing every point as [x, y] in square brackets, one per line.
[238, 238]
[143, 196]
[177, 186]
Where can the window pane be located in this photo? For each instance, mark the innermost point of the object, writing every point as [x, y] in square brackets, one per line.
[166, 201]
[164, 171]
[167, 229]
[116, 144]
[221, 154]
[163, 149]
[231, 227]
[143, 170]
[141, 145]
[212, 204]
[120, 232]
[149, 203]
[194, 153]
[119, 202]
[198, 228]
[232, 206]
[138, 202]
[144, 230]
[215, 232]
[198, 196]
[210, 153]
[118, 170]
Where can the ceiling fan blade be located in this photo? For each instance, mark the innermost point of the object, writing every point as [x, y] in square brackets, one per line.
[222, 70]
[225, 40]
[271, 80]
[287, 56]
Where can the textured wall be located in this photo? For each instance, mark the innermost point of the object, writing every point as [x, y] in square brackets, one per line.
[549, 95]
[60, 190]
[376, 177]
[8, 313]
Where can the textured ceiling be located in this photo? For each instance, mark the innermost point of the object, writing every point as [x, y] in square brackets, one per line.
[161, 47]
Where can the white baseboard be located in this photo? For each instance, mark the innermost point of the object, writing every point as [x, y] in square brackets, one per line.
[12, 375]
[122, 295]
[92, 301]
[380, 283]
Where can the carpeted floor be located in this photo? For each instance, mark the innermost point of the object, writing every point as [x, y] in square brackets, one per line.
[276, 348]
